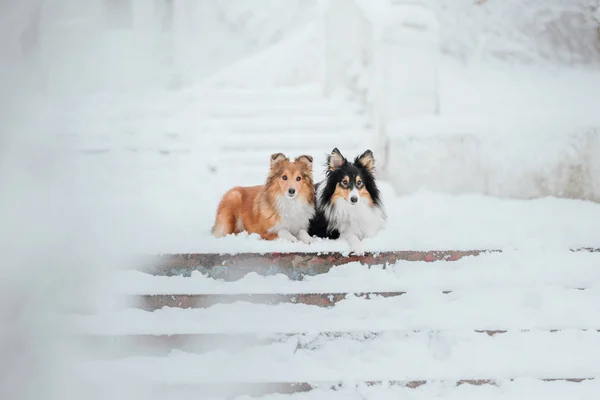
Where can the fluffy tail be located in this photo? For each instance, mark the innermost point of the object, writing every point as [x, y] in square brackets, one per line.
[227, 214]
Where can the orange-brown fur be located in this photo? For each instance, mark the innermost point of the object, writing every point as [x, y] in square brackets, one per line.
[253, 209]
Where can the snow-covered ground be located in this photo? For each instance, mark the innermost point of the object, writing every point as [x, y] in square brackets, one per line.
[163, 161]
[423, 221]
[154, 160]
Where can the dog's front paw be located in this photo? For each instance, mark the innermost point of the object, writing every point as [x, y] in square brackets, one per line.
[286, 235]
[292, 239]
[305, 237]
[308, 240]
[357, 249]
[357, 252]
[356, 246]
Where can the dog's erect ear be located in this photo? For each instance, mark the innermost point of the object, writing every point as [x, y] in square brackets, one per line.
[335, 160]
[277, 157]
[367, 160]
[304, 159]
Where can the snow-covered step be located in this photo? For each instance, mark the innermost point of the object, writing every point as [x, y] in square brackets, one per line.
[239, 108]
[452, 355]
[373, 271]
[465, 389]
[251, 111]
[156, 302]
[253, 123]
[256, 94]
[286, 125]
[515, 269]
[476, 308]
[286, 143]
[317, 150]
[104, 347]
[299, 138]
[115, 346]
[140, 344]
[328, 299]
[292, 144]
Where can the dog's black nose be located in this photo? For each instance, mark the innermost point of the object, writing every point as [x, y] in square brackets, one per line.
[291, 190]
[353, 199]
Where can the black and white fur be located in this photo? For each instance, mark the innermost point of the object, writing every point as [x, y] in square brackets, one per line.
[355, 217]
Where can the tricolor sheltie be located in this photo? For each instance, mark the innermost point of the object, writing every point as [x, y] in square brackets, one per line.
[348, 203]
[281, 208]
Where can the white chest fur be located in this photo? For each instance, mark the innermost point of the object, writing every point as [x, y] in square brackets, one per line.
[359, 219]
[295, 214]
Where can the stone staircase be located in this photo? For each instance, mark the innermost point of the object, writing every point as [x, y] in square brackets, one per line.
[337, 329]
[248, 125]
[223, 131]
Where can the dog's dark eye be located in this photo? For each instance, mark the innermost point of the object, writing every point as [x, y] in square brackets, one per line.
[345, 182]
[298, 178]
[284, 177]
[359, 184]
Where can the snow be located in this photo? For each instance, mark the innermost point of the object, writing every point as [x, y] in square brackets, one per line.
[422, 333]
[519, 389]
[290, 68]
[474, 308]
[164, 131]
[422, 221]
[524, 388]
[378, 359]
[555, 31]
[515, 269]
[404, 356]
[493, 134]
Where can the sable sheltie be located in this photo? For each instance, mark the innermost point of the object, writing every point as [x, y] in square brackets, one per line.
[281, 208]
[348, 203]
